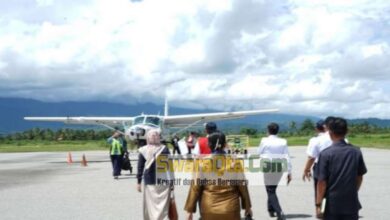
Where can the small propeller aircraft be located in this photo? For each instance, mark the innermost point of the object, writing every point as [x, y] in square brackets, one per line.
[135, 128]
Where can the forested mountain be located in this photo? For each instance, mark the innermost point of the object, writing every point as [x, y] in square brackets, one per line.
[12, 111]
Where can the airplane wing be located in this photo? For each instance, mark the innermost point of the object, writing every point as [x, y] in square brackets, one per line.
[85, 120]
[180, 120]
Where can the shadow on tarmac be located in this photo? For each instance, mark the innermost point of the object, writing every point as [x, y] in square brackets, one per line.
[298, 216]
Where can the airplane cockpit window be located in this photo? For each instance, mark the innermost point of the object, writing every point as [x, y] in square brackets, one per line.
[153, 120]
[139, 120]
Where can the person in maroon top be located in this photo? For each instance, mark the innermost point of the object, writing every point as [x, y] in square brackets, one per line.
[191, 141]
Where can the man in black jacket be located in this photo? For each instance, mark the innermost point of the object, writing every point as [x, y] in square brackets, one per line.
[340, 173]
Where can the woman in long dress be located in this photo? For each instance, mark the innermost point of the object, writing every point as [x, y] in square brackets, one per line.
[156, 198]
[218, 202]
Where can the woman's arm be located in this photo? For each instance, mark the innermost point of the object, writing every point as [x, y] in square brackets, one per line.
[192, 198]
[245, 198]
[141, 166]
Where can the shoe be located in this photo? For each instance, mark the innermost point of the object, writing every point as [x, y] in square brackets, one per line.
[116, 177]
[272, 214]
[281, 216]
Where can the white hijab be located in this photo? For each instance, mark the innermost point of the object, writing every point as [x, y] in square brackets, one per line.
[153, 146]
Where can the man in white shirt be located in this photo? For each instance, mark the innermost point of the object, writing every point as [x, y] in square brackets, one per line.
[274, 146]
[314, 148]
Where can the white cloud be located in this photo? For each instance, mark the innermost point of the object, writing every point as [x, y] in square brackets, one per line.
[306, 57]
[43, 3]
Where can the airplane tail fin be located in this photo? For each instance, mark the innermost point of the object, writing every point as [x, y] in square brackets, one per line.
[166, 107]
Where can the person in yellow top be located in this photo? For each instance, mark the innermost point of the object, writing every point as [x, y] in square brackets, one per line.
[116, 153]
[218, 201]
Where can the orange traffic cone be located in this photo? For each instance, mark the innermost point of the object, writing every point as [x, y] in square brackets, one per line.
[69, 159]
[84, 161]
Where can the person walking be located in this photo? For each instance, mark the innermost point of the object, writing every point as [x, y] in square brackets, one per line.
[116, 153]
[202, 144]
[314, 148]
[191, 141]
[218, 201]
[156, 197]
[175, 144]
[340, 174]
[269, 147]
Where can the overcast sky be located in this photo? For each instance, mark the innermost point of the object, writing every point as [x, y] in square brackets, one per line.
[324, 57]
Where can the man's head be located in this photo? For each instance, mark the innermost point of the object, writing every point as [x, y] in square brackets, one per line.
[210, 127]
[320, 126]
[116, 134]
[273, 128]
[328, 121]
[338, 128]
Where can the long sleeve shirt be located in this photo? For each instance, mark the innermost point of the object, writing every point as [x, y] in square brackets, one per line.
[275, 146]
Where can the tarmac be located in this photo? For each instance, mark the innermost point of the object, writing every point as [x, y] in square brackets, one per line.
[44, 186]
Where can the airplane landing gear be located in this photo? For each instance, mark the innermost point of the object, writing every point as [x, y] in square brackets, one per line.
[140, 143]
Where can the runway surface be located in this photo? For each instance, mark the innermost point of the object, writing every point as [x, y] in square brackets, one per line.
[44, 186]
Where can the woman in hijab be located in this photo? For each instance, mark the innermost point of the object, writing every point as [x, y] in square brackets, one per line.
[156, 198]
[218, 202]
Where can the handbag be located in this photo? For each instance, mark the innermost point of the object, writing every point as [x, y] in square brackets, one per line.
[172, 212]
[126, 165]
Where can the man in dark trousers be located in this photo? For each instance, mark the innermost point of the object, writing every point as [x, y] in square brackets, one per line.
[116, 153]
[175, 144]
[316, 144]
[340, 173]
[269, 146]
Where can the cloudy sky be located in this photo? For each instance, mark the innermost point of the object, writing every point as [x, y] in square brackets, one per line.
[302, 56]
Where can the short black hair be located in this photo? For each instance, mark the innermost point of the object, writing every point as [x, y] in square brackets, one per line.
[328, 120]
[320, 125]
[210, 127]
[273, 128]
[339, 126]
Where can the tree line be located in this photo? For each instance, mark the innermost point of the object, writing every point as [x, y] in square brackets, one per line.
[305, 128]
[58, 135]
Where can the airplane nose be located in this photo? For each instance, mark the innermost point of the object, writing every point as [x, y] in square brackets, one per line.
[140, 131]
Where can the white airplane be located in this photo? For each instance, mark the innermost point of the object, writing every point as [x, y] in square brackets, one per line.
[136, 127]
